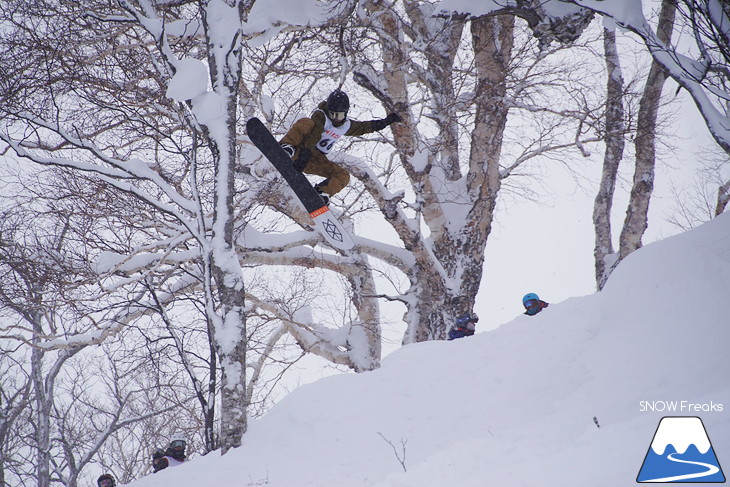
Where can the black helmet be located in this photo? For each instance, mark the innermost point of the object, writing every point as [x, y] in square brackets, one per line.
[106, 480]
[338, 101]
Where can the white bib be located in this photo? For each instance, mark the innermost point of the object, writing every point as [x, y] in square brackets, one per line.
[331, 134]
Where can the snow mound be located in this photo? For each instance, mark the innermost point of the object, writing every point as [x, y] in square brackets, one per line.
[514, 406]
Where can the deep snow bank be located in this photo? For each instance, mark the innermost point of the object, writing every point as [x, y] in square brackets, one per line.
[514, 406]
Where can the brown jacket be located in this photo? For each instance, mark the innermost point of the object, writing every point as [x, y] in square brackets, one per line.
[306, 132]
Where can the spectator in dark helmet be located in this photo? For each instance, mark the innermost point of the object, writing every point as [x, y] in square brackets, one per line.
[173, 456]
[106, 480]
[464, 326]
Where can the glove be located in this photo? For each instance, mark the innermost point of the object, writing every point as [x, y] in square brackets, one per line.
[288, 149]
[393, 118]
[304, 156]
[302, 159]
[378, 125]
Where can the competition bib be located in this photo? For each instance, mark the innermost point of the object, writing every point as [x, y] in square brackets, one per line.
[331, 134]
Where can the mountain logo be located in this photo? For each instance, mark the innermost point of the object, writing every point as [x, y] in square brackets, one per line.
[681, 452]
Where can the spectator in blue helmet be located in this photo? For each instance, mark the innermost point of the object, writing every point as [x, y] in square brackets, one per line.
[533, 304]
[464, 326]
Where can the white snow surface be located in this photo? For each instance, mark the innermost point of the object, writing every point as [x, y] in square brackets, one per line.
[293, 12]
[513, 406]
[268, 18]
[190, 80]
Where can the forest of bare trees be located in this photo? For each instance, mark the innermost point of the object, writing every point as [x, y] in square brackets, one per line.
[155, 273]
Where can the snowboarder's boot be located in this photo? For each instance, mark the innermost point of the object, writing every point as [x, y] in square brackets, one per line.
[324, 195]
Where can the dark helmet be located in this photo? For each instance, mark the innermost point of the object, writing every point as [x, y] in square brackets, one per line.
[106, 480]
[338, 101]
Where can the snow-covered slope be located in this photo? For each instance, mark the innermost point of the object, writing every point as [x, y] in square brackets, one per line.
[515, 406]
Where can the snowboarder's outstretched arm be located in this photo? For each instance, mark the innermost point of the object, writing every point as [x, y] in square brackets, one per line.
[306, 132]
[362, 128]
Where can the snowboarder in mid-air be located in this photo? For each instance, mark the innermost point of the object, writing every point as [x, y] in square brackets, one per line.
[309, 141]
[533, 304]
[464, 326]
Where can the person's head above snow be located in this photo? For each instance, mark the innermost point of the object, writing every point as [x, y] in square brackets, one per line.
[533, 304]
[106, 480]
[177, 441]
[338, 104]
[530, 299]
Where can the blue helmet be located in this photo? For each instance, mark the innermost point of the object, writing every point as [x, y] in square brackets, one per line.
[530, 297]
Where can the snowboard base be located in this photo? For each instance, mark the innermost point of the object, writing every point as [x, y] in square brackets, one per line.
[324, 220]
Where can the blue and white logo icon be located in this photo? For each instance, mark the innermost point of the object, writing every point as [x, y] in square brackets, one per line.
[681, 452]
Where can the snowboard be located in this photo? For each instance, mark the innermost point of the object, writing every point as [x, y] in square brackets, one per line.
[325, 222]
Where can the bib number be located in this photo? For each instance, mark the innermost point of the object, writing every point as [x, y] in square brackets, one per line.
[331, 134]
[325, 145]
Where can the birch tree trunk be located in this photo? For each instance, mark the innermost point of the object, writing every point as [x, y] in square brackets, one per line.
[492, 41]
[44, 380]
[636, 220]
[448, 266]
[15, 397]
[43, 413]
[723, 197]
[614, 139]
[224, 58]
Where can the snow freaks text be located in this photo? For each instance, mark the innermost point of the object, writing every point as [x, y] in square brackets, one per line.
[680, 407]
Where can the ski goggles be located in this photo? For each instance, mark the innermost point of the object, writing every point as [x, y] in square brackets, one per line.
[473, 318]
[177, 444]
[337, 116]
[530, 303]
[106, 483]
